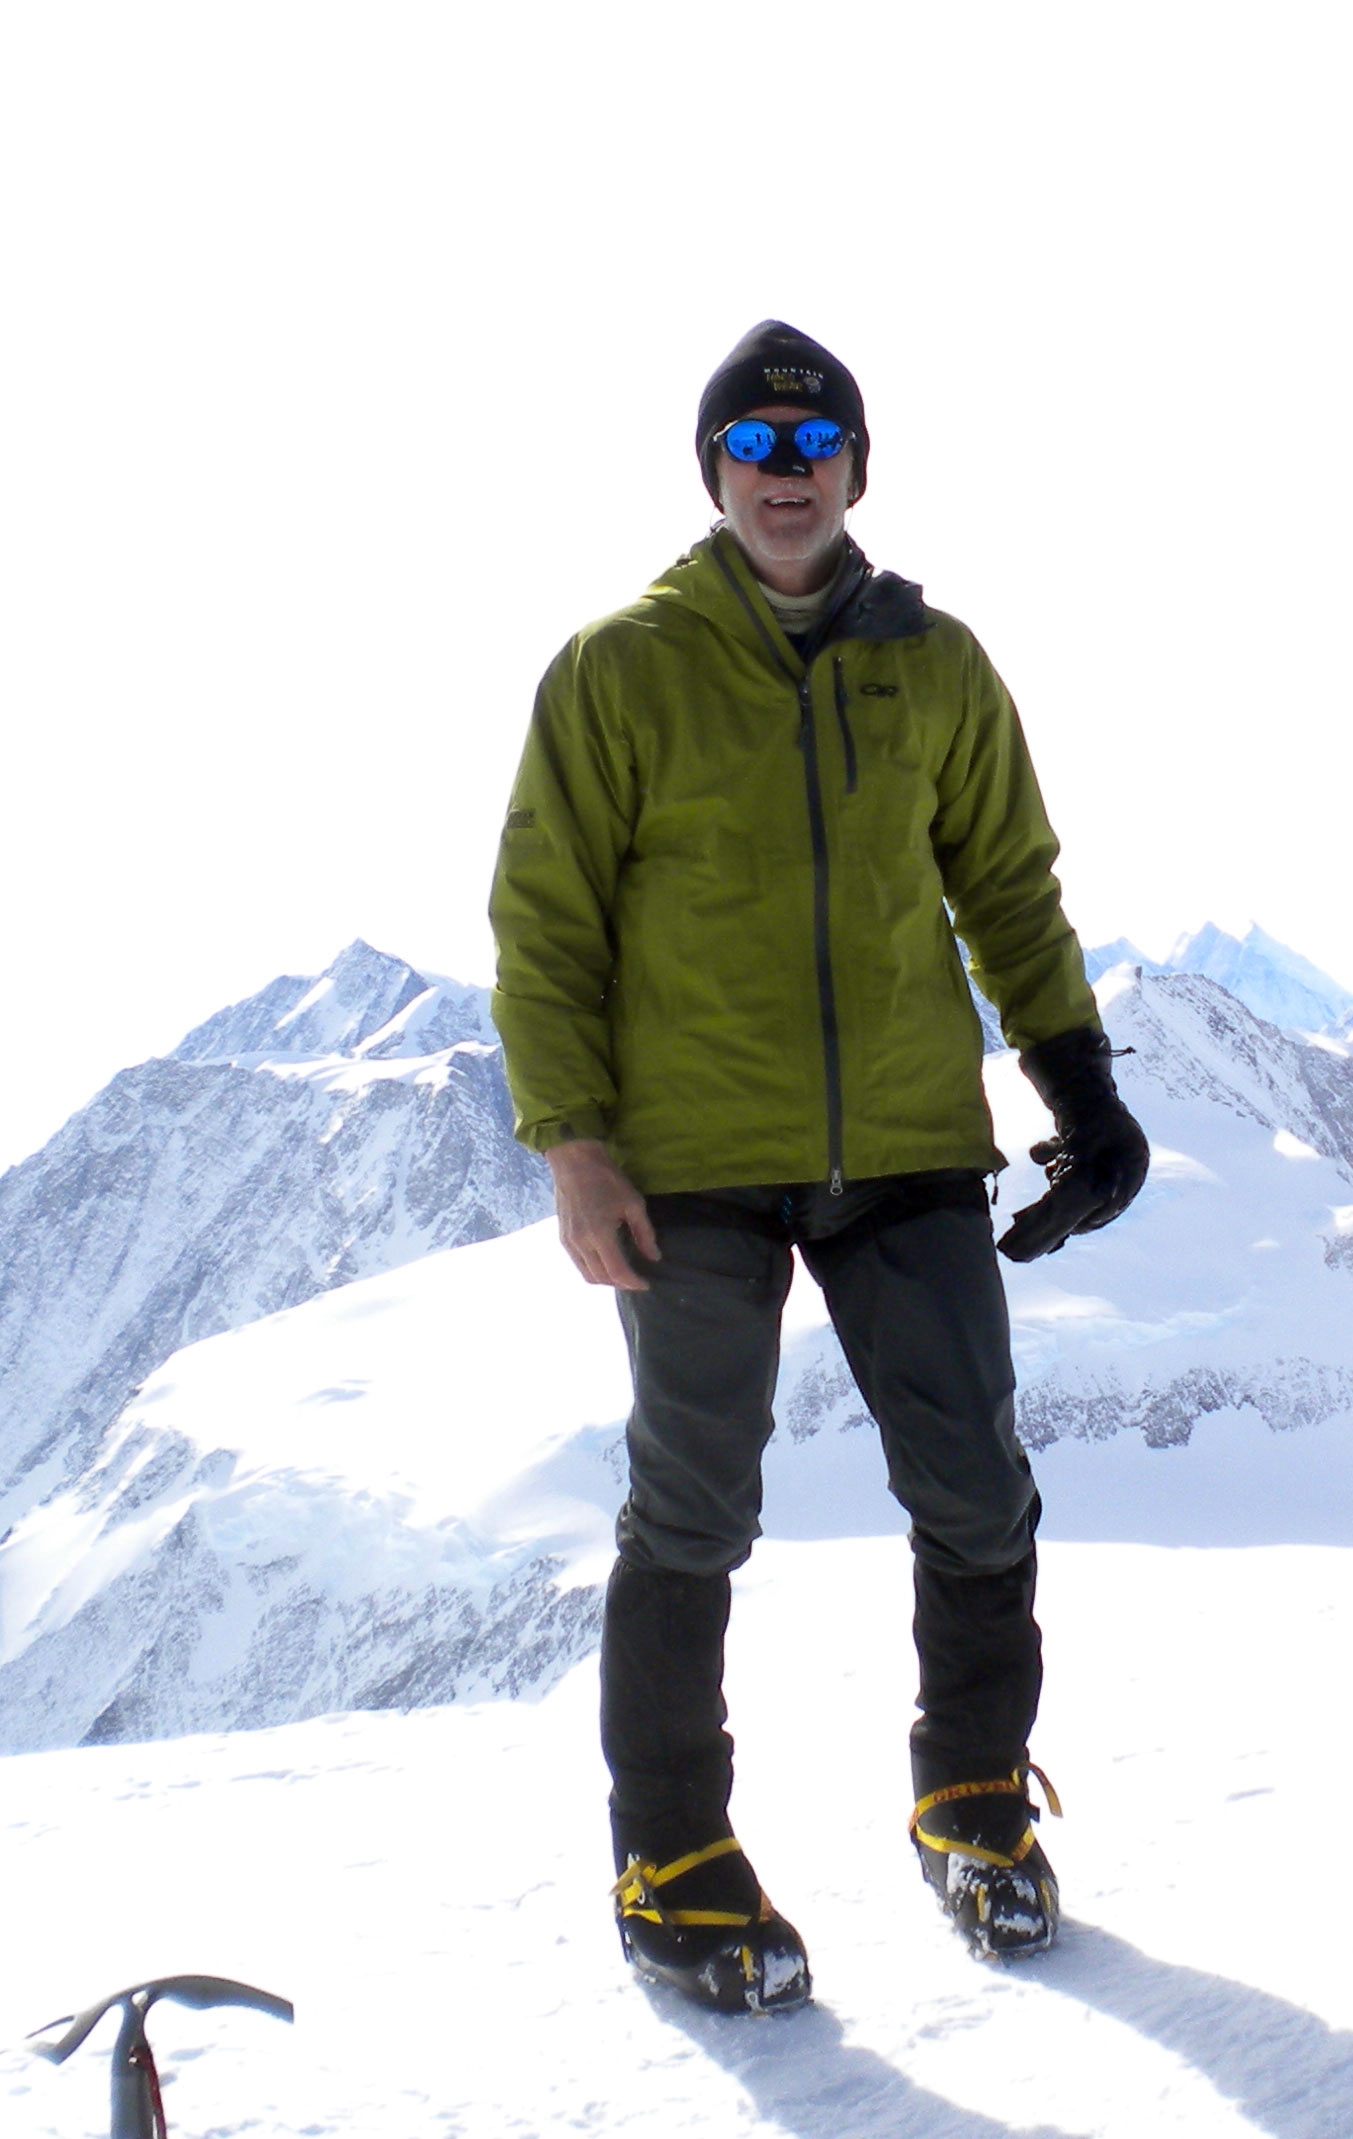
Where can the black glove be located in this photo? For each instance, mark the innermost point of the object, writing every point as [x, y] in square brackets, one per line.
[1098, 1159]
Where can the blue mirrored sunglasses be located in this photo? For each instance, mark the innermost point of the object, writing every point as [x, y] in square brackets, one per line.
[816, 438]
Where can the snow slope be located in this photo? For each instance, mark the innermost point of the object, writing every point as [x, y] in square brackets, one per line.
[1227, 1281]
[348, 1504]
[431, 1890]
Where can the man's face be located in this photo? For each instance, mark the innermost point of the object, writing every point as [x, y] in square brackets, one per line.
[790, 526]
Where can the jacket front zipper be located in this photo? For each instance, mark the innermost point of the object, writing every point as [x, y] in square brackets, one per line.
[817, 824]
[826, 986]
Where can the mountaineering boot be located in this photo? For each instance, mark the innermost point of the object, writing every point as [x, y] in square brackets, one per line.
[689, 1906]
[702, 1924]
[977, 1848]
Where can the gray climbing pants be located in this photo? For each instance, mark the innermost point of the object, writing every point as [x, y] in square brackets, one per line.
[909, 1272]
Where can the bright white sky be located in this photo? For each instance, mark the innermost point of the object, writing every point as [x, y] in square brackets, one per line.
[351, 362]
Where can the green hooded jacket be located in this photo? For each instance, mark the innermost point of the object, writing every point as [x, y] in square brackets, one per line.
[720, 900]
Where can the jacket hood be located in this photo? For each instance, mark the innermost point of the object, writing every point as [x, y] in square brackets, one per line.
[714, 580]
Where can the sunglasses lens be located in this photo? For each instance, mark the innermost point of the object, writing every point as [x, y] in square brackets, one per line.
[750, 440]
[818, 439]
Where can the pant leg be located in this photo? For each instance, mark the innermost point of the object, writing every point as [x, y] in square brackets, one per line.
[704, 1350]
[663, 1712]
[704, 1345]
[980, 1655]
[920, 1311]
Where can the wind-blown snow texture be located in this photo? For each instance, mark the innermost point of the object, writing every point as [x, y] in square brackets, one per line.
[401, 1493]
[316, 1133]
[431, 1890]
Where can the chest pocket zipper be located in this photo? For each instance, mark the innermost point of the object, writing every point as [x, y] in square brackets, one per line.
[847, 739]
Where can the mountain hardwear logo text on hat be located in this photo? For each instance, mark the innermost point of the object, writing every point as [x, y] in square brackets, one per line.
[782, 381]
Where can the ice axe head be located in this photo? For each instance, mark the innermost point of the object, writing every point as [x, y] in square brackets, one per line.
[138, 2110]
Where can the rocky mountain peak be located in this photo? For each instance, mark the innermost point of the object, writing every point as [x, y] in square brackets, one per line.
[364, 1002]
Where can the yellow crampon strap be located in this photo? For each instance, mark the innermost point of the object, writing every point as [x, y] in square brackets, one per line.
[973, 1849]
[1053, 1801]
[1011, 1786]
[635, 1889]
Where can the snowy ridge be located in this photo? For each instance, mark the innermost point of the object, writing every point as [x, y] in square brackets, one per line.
[1288, 1395]
[1226, 1284]
[353, 1503]
[356, 1502]
[1276, 983]
[201, 1191]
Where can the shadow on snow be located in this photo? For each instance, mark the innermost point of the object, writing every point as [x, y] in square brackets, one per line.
[1282, 2067]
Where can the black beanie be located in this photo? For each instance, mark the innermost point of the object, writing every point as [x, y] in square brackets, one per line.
[776, 363]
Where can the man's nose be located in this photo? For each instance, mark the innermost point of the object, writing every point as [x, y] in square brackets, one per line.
[786, 459]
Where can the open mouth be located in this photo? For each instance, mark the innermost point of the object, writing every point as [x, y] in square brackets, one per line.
[786, 504]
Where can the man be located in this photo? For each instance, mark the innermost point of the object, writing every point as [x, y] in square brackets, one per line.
[736, 1020]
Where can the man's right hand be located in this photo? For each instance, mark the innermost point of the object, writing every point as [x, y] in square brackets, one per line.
[594, 1200]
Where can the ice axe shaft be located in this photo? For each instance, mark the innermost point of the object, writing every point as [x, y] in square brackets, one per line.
[137, 2104]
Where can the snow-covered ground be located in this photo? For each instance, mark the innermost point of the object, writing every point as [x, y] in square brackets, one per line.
[430, 1890]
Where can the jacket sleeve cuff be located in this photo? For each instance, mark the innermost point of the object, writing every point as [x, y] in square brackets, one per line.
[581, 1123]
